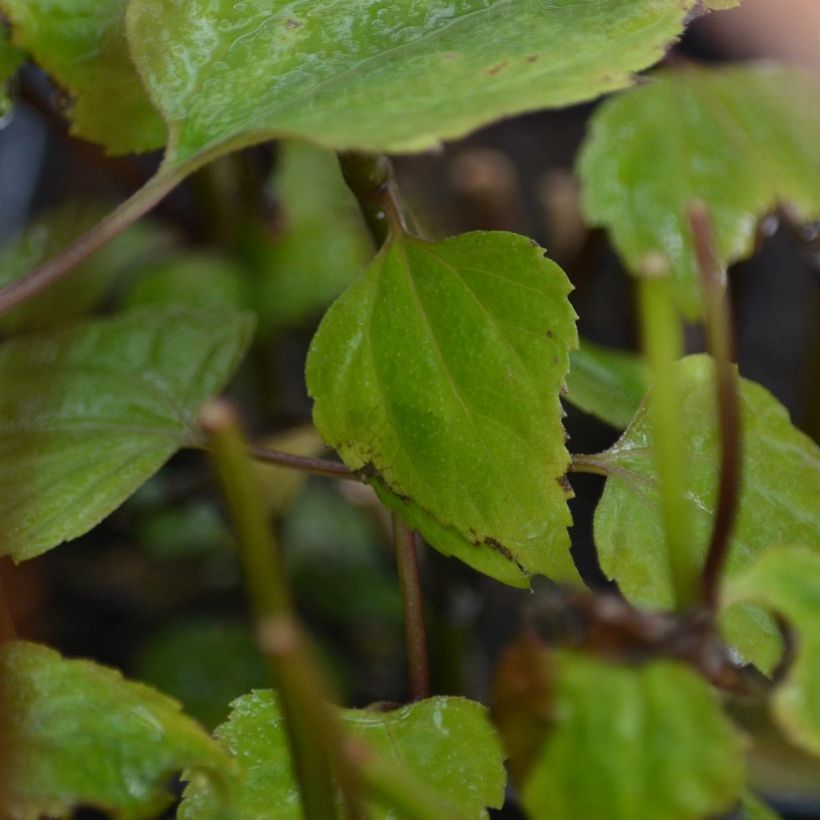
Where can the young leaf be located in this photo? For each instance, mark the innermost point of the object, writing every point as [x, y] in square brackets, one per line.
[787, 581]
[323, 244]
[778, 502]
[78, 734]
[633, 743]
[447, 742]
[606, 383]
[82, 44]
[436, 374]
[11, 58]
[383, 75]
[745, 139]
[90, 412]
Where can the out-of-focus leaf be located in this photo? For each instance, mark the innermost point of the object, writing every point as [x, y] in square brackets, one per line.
[80, 735]
[90, 412]
[778, 500]
[383, 75]
[193, 279]
[86, 288]
[630, 743]
[447, 742]
[755, 809]
[11, 58]
[205, 664]
[787, 581]
[606, 383]
[745, 139]
[322, 245]
[437, 375]
[82, 44]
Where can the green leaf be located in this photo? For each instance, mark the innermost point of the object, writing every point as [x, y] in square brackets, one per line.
[447, 742]
[755, 809]
[778, 501]
[194, 279]
[633, 743]
[88, 285]
[205, 663]
[322, 245]
[383, 75]
[11, 58]
[745, 139]
[436, 374]
[81, 735]
[787, 581]
[607, 383]
[82, 44]
[88, 413]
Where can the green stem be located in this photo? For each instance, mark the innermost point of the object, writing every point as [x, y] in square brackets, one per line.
[313, 734]
[727, 391]
[663, 344]
[370, 177]
[404, 543]
[314, 466]
[103, 232]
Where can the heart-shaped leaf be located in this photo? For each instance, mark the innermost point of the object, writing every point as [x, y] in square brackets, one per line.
[79, 735]
[436, 376]
[778, 501]
[88, 413]
[744, 140]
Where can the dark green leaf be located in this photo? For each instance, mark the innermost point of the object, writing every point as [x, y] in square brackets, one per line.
[778, 503]
[89, 413]
[81, 735]
[382, 75]
[634, 743]
[437, 374]
[82, 44]
[787, 581]
[447, 742]
[10, 60]
[744, 140]
[607, 383]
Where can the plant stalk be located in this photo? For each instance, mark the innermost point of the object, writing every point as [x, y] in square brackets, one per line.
[404, 544]
[663, 345]
[313, 733]
[718, 315]
[8, 632]
[314, 466]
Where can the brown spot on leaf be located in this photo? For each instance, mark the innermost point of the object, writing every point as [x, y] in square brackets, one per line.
[563, 482]
[290, 23]
[496, 68]
[451, 55]
[533, 58]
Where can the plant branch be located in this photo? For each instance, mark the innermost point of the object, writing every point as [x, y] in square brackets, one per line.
[103, 232]
[314, 735]
[404, 544]
[719, 335]
[595, 465]
[370, 177]
[314, 466]
[663, 343]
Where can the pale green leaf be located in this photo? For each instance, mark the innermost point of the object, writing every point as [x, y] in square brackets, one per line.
[436, 375]
[381, 75]
[322, 244]
[446, 742]
[633, 743]
[607, 383]
[87, 414]
[81, 735]
[82, 44]
[787, 581]
[778, 501]
[745, 139]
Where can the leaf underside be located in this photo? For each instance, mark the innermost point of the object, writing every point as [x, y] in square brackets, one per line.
[436, 376]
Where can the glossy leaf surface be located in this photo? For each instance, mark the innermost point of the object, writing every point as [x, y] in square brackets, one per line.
[81, 735]
[745, 139]
[447, 742]
[633, 743]
[380, 75]
[82, 45]
[778, 502]
[607, 383]
[787, 580]
[436, 374]
[87, 414]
